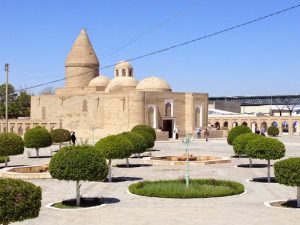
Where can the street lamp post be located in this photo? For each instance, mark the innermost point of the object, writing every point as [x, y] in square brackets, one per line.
[6, 97]
[187, 141]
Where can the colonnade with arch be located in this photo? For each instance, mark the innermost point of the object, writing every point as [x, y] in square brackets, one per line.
[285, 124]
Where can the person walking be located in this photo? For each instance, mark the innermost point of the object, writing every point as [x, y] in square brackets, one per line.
[198, 132]
[73, 138]
[176, 132]
[206, 134]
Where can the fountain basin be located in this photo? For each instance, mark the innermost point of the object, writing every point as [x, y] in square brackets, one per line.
[193, 160]
[26, 172]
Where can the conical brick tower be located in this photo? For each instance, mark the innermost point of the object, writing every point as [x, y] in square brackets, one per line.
[82, 64]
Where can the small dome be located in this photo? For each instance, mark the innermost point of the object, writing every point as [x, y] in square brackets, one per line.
[153, 84]
[121, 84]
[100, 81]
[122, 64]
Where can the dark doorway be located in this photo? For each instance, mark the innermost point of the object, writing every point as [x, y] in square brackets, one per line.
[168, 126]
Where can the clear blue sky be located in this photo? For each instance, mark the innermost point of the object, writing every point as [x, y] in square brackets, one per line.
[260, 59]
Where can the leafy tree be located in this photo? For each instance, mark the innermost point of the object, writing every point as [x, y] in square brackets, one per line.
[148, 138]
[145, 128]
[114, 147]
[37, 137]
[60, 136]
[266, 148]
[138, 142]
[78, 163]
[240, 143]
[10, 144]
[19, 200]
[287, 172]
[273, 131]
[236, 131]
[18, 105]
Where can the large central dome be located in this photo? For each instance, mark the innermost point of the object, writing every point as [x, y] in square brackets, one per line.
[153, 84]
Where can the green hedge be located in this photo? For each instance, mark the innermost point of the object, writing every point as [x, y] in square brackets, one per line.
[37, 137]
[19, 200]
[241, 141]
[60, 135]
[11, 144]
[115, 147]
[236, 131]
[137, 140]
[265, 148]
[273, 131]
[149, 140]
[145, 128]
[288, 171]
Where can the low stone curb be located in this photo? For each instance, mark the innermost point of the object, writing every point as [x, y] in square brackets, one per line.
[268, 204]
[49, 206]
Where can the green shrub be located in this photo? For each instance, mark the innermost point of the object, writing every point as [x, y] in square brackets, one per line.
[273, 131]
[37, 138]
[266, 148]
[78, 163]
[287, 172]
[11, 144]
[19, 200]
[137, 140]
[145, 128]
[236, 131]
[2, 159]
[60, 135]
[114, 147]
[240, 143]
[148, 138]
[198, 188]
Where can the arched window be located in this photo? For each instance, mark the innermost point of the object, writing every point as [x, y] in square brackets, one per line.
[44, 113]
[130, 72]
[245, 123]
[197, 117]
[264, 125]
[225, 124]
[234, 124]
[168, 109]
[217, 125]
[151, 117]
[84, 106]
[117, 73]
[20, 130]
[285, 127]
[123, 72]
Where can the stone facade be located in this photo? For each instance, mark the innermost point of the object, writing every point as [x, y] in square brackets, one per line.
[94, 106]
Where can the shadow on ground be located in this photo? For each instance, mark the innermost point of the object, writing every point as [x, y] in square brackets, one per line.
[263, 180]
[132, 165]
[254, 165]
[123, 179]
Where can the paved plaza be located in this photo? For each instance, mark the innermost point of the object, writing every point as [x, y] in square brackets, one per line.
[124, 208]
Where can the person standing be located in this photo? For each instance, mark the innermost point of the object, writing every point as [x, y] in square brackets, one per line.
[198, 132]
[73, 138]
[176, 132]
[206, 134]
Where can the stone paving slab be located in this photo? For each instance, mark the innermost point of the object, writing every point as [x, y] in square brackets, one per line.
[246, 209]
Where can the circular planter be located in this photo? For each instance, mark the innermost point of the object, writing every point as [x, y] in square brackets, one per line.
[199, 188]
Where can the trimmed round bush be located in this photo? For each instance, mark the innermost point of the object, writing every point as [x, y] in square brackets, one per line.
[198, 188]
[19, 200]
[37, 137]
[240, 142]
[137, 141]
[287, 172]
[11, 144]
[78, 163]
[266, 148]
[60, 135]
[273, 131]
[145, 128]
[148, 138]
[114, 147]
[236, 131]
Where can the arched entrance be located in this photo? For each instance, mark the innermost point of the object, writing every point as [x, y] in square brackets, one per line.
[245, 123]
[254, 127]
[275, 124]
[285, 127]
[296, 127]
[217, 125]
[225, 125]
[234, 124]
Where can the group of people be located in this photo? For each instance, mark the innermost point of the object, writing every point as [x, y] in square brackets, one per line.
[198, 133]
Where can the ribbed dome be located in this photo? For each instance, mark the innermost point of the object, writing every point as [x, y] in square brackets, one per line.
[82, 52]
[121, 84]
[153, 84]
[100, 81]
